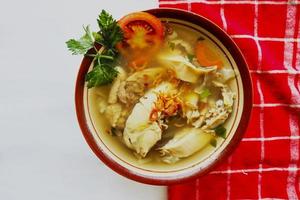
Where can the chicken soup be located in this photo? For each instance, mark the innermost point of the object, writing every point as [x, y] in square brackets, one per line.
[172, 94]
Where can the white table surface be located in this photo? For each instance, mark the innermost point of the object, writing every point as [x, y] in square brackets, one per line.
[42, 152]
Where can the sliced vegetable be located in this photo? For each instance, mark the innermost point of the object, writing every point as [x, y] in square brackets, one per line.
[171, 45]
[204, 94]
[220, 131]
[143, 35]
[226, 74]
[113, 131]
[205, 56]
[141, 30]
[182, 46]
[186, 141]
[183, 68]
[213, 142]
[190, 57]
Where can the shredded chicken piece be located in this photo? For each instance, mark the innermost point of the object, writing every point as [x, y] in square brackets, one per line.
[130, 91]
[136, 84]
[140, 133]
[116, 115]
[113, 113]
[219, 114]
[216, 115]
[228, 97]
[113, 94]
[102, 104]
[199, 122]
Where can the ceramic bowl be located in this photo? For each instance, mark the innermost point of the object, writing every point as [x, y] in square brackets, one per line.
[118, 158]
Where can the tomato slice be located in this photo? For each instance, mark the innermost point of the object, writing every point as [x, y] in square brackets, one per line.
[143, 35]
[206, 56]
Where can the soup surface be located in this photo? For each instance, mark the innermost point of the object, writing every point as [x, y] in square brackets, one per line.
[173, 106]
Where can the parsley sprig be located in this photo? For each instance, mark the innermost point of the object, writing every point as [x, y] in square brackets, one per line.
[82, 45]
[104, 61]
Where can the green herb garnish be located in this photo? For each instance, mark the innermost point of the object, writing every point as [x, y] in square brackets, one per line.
[82, 45]
[204, 94]
[171, 45]
[100, 75]
[213, 142]
[190, 57]
[104, 61]
[220, 131]
[200, 38]
[110, 31]
[113, 131]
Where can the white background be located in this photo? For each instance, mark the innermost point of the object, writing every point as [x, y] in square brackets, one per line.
[42, 152]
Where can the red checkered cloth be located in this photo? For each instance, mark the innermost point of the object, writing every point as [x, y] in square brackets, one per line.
[266, 163]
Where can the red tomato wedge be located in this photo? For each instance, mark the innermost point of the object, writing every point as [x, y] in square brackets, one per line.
[143, 35]
[205, 55]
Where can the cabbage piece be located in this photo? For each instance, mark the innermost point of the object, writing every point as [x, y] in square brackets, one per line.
[181, 44]
[186, 142]
[174, 35]
[226, 74]
[190, 108]
[150, 73]
[191, 100]
[183, 68]
[206, 82]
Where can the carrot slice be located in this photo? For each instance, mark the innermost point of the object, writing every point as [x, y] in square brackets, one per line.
[139, 62]
[206, 56]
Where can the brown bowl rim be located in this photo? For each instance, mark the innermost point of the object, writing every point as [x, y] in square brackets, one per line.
[237, 55]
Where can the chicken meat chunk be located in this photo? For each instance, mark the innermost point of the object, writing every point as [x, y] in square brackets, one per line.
[141, 133]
